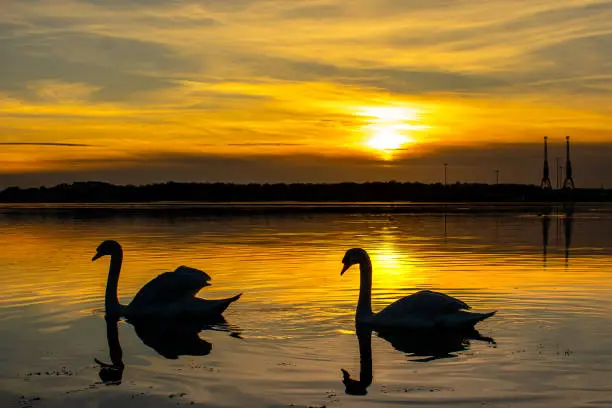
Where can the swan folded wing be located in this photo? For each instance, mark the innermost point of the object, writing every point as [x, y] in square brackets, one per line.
[182, 284]
[426, 304]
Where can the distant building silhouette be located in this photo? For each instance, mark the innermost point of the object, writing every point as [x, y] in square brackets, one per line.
[545, 183]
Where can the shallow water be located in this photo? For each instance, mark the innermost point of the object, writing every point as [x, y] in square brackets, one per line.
[553, 331]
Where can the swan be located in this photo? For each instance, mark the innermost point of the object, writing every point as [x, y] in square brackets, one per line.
[169, 295]
[421, 310]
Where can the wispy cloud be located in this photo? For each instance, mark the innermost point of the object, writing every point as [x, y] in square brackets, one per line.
[265, 144]
[45, 144]
[251, 77]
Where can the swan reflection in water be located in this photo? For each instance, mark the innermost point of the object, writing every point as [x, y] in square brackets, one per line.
[169, 338]
[426, 345]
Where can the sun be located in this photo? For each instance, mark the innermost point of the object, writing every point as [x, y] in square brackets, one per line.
[387, 127]
[387, 138]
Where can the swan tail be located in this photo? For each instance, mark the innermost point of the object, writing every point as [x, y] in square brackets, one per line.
[464, 319]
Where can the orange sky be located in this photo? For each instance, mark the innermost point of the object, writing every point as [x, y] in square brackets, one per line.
[341, 90]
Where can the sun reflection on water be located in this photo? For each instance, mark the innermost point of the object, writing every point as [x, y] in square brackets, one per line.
[393, 266]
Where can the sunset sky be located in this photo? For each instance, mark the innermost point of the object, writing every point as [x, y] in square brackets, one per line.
[137, 91]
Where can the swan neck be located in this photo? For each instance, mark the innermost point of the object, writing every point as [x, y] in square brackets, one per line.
[111, 301]
[364, 305]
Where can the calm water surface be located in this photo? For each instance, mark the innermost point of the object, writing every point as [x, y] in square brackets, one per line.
[550, 278]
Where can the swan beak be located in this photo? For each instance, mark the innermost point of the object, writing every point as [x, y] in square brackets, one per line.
[96, 256]
[344, 268]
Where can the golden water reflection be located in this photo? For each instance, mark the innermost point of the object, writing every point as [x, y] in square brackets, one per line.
[549, 277]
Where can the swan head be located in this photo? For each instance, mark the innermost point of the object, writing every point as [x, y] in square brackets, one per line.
[109, 247]
[353, 256]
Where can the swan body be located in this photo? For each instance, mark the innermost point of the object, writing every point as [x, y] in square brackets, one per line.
[169, 295]
[422, 310]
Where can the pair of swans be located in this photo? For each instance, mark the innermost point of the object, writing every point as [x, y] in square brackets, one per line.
[172, 295]
[167, 316]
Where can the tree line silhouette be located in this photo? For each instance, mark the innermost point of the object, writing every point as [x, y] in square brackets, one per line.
[99, 192]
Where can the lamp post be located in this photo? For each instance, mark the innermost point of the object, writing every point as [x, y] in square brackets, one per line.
[445, 167]
[557, 170]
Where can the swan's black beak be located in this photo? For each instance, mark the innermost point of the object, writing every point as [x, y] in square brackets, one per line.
[96, 256]
[344, 268]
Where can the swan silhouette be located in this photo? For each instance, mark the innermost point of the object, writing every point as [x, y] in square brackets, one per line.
[169, 338]
[428, 344]
[169, 295]
[421, 310]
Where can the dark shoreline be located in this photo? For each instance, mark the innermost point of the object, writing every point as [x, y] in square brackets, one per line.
[340, 194]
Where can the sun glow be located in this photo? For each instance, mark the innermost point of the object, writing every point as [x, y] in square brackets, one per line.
[391, 114]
